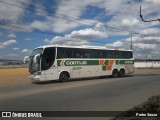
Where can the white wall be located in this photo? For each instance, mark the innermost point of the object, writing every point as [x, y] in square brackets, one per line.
[147, 64]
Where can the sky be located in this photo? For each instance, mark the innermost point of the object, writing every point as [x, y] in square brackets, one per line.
[27, 24]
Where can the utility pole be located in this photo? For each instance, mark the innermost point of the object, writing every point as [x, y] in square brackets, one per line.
[131, 34]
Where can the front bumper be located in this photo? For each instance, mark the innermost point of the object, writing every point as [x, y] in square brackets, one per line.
[34, 77]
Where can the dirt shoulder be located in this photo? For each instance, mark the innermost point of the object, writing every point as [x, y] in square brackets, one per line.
[10, 76]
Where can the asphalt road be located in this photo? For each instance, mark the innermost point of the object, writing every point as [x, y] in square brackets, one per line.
[96, 94]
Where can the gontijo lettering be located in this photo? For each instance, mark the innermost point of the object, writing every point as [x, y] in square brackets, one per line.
[76, 62]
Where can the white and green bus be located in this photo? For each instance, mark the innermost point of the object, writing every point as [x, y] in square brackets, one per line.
[65, 62]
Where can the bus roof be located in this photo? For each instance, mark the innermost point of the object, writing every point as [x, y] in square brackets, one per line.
[84, 47]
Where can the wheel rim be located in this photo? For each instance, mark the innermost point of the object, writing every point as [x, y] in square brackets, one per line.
[63, 77]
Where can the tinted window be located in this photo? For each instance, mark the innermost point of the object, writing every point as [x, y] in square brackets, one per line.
[110, 53]
[87, 54]
[116, 53]
[99, 54]
[64, 53]
[92, 53]
[78, 53]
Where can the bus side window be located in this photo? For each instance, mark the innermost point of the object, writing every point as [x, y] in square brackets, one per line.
[78, 53]
[98, 54]
[86, 54]
[60, 53]
[120, 54]
[123, 54]
[127, 54]
[131, 54]
[104, 54]
[110, 54]
[69, 53]
[116, 54]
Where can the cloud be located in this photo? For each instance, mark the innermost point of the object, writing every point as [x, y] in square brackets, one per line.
[26, 51]
[13, 12]
[150, 32]
[28, 39]
[75, 9]
[16, 27]
[10, 11]
[130, 22]
[123, 14]
[40, 25]
[12, 35]
[79, 37]
[62, 25]
[15, 48]
[7, 43]
[66, 40]
[88, 34]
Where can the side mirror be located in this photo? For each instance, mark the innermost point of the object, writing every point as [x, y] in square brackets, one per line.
[24, 60]
[37, 58]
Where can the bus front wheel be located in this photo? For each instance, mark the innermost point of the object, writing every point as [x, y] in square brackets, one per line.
[63, 77]
[115, 73]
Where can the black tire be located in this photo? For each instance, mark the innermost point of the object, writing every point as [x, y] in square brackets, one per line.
[115, 73]
[121, 73]
[63, 77]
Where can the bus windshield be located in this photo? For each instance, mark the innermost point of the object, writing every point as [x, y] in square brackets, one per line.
[34, 65]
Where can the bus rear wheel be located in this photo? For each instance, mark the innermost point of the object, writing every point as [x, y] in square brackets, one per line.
[115, 73]
[63, 77]
[121, 73]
